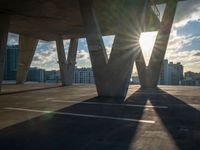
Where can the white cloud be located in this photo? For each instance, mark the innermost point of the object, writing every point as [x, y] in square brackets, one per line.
[45, 56]
[179, 42]
[187, 11]
[83, 59]
[188, 59]
[82, 54]
[177, 52]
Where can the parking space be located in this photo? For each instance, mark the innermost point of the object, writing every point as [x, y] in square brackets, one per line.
[75, 118]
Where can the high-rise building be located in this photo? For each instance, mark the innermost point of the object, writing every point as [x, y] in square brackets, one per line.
[164, 73]
[36, 75]
[83, 75]
[10, 65]
[175, 73]
[171, 74]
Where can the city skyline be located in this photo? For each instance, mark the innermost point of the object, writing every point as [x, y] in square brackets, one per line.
[183, 45]
[171, 73]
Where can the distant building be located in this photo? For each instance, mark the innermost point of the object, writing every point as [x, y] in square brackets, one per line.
[10, 65]
[52, 76]
[83, 76]
[175, 73]
[191, 79]
[36, 75]
[192, 75]
[171, 74]
[164, 73]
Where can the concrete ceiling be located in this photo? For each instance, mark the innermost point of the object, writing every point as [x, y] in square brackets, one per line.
[45, 20]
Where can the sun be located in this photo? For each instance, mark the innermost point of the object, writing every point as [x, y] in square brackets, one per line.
[147, 40]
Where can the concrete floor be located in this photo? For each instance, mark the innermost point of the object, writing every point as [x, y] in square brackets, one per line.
[74, 118]
[12, 88]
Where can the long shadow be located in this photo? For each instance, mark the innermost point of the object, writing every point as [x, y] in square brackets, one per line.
[181, 120]
[54, 131]
[29, 90]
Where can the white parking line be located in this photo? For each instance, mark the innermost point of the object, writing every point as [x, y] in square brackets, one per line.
[110, 104]
[81, 115]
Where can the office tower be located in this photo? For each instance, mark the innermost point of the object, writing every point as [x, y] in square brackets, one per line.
[83, 75]
[175, 73]
[10, 64]
[36, 75]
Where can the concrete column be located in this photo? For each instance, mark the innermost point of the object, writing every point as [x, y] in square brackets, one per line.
[27, 47]
[71, 61]
[112, 76]
[161, 43]
[95, 43]
[141, 67]
[149, 75]
[62, 60]
[120, 65]
[4, 26]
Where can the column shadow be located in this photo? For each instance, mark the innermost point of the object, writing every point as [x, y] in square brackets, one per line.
[52, 131]
[181, 120]
[29, 90]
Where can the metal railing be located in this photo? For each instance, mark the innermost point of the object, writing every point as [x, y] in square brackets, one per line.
[155, 8]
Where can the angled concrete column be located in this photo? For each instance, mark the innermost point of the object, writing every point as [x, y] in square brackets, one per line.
[149, 75]
[71, 61]
[161, 43]
[120, 65]
[112, 76]
[95, 43]
[4, 25]
[27, 47]
[62, 60]
[141, 67]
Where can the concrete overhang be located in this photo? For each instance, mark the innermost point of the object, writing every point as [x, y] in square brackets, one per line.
[46, 20]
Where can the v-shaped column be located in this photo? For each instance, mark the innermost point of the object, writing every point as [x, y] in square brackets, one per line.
[112, 76]
[149, 75]
[67, 67]
[71, 60]
[27, 47]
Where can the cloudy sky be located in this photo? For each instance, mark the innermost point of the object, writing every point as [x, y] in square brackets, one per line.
[183, 46]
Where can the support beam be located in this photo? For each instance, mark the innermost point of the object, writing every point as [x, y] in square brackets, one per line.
[4, 26]
[71, 61]
[27, 47]
[161, 43]
[141, 67]
[149, 75]
[62, 60]
[112, 77]
[120, 65]
[95, 43]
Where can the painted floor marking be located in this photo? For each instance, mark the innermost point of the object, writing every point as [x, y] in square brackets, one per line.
[81, 115]
[110, 104]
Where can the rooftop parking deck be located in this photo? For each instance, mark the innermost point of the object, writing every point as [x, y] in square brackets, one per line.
[74, 118]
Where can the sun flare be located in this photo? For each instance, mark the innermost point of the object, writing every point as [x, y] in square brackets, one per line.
[147, 40]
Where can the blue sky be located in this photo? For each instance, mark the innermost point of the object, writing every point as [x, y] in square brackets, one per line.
[183, 46]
